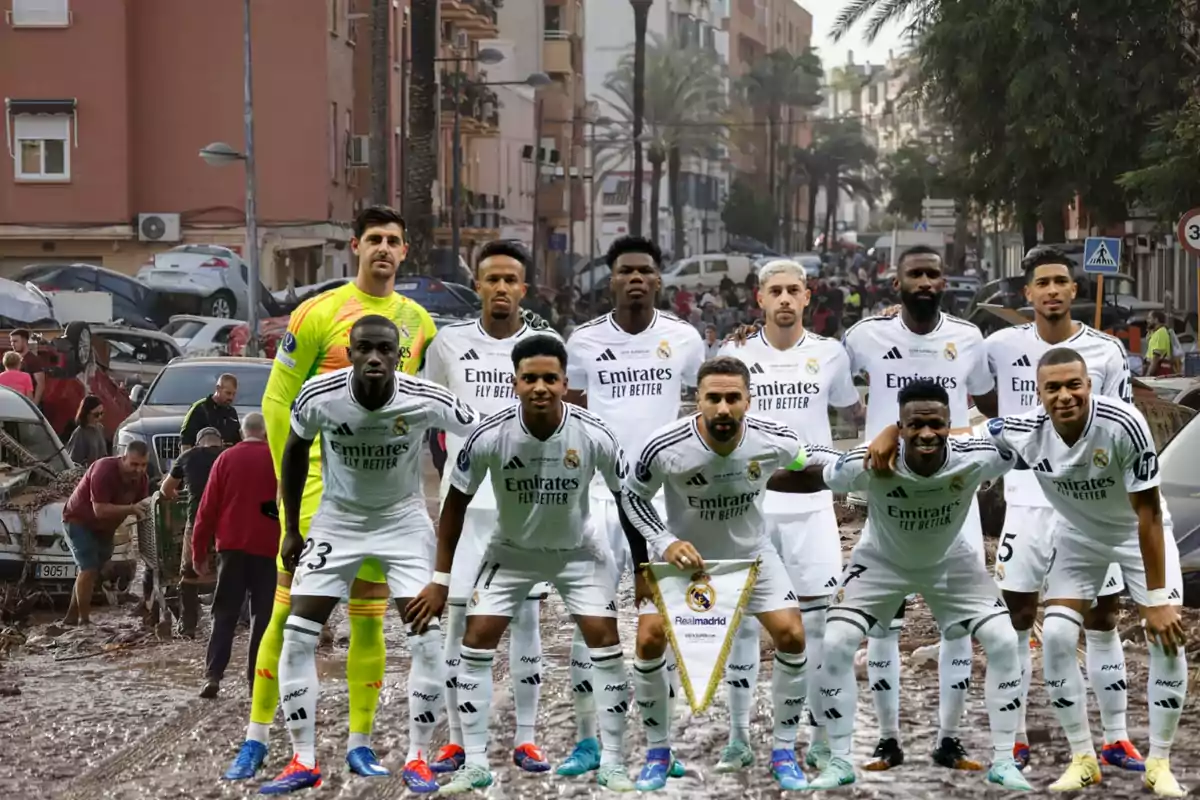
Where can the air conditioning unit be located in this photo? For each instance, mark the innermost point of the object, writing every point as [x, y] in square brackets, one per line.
[462, 40]
[158, 228]
[360, 151]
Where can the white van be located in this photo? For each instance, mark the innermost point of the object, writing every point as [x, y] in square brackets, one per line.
[707, 270]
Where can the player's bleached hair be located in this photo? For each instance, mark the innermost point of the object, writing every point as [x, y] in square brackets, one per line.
[539, 345]
[723, 365]
[373, 319]
[1057, 356]
[923, 390]
[781, 266]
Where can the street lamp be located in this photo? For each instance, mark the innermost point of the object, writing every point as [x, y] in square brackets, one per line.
[641, 14]
[220, 154]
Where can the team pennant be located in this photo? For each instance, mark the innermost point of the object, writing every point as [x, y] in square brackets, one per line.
[701, 612]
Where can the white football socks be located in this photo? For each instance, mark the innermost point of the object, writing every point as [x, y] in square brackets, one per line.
[1064, 680]
[525, 668]
[582, 688]
[741, 676]
[1106, 673]
[1167, 692]
[426, 679]
[954, 684]
[298, 685]
[883, 675]
[1002, 683]
[475, 702]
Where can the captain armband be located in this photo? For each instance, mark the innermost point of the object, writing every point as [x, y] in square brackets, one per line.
[799, 462]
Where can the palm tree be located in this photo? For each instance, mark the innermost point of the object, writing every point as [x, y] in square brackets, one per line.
[778, 82]
[381, 72]
[838, 160]
[919, 13]
[641, 15]
[421, 173]
[684, 108]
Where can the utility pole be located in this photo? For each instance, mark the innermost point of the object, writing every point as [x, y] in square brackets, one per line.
[381, 83]
[571, 196]
[456, 167]
[537, 192]
[403, 172]
[252, 267]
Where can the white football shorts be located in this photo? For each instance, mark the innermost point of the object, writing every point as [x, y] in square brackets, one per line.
[478, 527]
[811, 548]
[402, 542]
[508, 575]
[1023, 555]
[956, 588]
[607, 518]
[1079, 565]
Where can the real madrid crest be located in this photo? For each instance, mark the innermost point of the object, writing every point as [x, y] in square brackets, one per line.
[664, 349]
[753, 470]
[1000, 572]
[403, 331]
[474, 599]
[1100, 458]
[571, 459]
[812, 366]
[841, 595]
[701, 596]
[951, 351]
[956, 483]
[399, 427]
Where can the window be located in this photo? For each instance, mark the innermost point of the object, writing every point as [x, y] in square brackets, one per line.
[335, 16]
[42, 147]
[40, 14]
[349, 126]
[554, 18]
[718, 265]
[351, 24]
[334, 162]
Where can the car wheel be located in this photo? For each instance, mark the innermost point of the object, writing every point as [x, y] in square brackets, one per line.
[79, 343]
[220, 304]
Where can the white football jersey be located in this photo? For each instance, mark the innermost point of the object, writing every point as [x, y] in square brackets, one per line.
[370, 460]
[541, 487]
[892, 356]
[1013, 354]
[797, 387]
[915, 519]
[713, 501]
[478, 369]
[1089, 482]
[634, 382]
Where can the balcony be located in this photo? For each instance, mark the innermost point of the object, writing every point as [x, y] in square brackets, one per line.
[479, 18]
[479, 107]
[558, 53]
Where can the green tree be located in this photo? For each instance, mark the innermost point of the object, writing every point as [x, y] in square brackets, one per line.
[683, 116]
[839, 160]
[747, 212]
[421, 168]
[911, 174]
[917, 14]
[775, 85]
[1169, 180]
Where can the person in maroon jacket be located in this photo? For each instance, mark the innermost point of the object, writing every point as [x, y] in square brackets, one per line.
[111, 490]
[239, 509]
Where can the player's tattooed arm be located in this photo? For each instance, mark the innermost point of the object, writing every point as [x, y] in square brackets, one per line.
[1163, 623]
[637, 543]
[293, 474]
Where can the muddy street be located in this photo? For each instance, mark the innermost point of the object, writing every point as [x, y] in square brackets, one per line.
[112, 713]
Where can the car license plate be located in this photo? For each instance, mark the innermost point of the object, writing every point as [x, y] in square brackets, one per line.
[57, 572]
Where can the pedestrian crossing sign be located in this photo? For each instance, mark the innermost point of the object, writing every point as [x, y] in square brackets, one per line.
[1102, 255]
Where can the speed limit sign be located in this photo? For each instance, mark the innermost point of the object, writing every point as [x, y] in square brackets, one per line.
[1188, 231]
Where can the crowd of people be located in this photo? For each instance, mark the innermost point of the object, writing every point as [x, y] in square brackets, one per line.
[569, 465]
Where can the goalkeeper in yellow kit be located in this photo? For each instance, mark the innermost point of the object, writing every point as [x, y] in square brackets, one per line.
[317, 341]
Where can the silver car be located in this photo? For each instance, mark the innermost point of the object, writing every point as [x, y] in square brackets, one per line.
[216, 277]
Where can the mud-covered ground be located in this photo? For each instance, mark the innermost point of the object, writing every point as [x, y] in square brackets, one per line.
[113, 713]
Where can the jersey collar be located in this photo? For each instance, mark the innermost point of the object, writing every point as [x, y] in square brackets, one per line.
[1082, 330]
[483, 331]
[761, 334]
[354, 399]
[612, 320]
[562, 424]
[941, 321]
[704, 444]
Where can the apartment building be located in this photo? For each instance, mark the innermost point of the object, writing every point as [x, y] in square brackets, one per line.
[704, 180]
[104, 140]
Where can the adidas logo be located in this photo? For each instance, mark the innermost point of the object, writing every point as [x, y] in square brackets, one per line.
[1119, 686]
[607, 355]
[470, 355]
[898, 493]
[962, 686]
[428, 718]
[515, 463]
[757, 369]
[532, 680]
[1170, 702]
[450, 683]
[739, 683]
[1112, 583]
[612, 606]
[1174, 595]
[791, 723]
[832, 713]
[892, 355]
[831, 584]
[1023, 361]
[467, 708]
[1013, 706]
[697, 480]
[1042, 466]
[619, 708]
[881, 686]
[297, 715]
[1063, 702]
[343, 430]
[791, 596]
[650, 722]
[583, 687]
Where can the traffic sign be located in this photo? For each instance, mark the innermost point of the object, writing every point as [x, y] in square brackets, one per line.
[1188, 231]
[1102, 255]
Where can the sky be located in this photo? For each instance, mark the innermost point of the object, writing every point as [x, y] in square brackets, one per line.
[834, 54]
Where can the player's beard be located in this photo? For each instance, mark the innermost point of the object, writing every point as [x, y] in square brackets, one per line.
[922, 306]
[723, 429]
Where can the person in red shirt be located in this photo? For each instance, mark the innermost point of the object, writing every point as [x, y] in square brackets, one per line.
[112, 490]
[239, 510]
